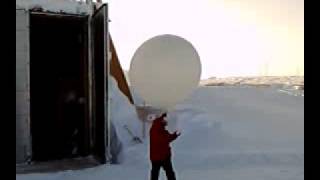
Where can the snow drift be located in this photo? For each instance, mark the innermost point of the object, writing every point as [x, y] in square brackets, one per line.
[227, 133]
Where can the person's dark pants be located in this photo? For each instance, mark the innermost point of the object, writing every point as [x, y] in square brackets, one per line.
[166, 165]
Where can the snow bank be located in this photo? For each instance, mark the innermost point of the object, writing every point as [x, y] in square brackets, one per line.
[123, 114]
[227, 133]
[65, 6]
[259, 81]
[242, 120]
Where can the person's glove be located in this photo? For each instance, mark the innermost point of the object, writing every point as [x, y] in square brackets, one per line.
[177, 133]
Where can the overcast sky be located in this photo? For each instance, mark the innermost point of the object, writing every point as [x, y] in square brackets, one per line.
[232, 37]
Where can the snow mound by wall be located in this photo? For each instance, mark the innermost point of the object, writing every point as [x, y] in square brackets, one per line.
[59, 6]
[123, 114]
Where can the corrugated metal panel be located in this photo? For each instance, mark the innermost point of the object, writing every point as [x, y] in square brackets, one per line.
[21, 21]
[22, 40]
[21, 136]
[21, 60]
[22, 79]
[22, 103]
[23, 139]
[20, 128]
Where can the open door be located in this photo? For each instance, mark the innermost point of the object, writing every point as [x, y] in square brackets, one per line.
[57, 86]
[99, 26]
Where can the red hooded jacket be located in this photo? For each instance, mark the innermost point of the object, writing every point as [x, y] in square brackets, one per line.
[160, 139]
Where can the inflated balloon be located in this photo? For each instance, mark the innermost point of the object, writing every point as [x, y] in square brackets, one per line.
[165, 70]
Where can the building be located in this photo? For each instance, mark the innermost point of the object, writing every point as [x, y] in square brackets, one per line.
[63, 61]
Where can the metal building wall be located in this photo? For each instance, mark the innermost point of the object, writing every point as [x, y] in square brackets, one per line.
[23, 140]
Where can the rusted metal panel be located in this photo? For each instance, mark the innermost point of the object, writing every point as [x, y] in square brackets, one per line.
[117, 72]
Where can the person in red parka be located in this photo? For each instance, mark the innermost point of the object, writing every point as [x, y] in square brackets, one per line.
[160, 151]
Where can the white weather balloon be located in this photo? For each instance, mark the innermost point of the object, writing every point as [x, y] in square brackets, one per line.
[165, 70]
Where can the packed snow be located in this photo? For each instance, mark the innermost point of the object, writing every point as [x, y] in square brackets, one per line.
[228, 133]
[255, 81]
[59, 6]
[122, 115]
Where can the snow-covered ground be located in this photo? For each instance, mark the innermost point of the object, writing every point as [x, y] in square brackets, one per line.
[255, 80]
[228, 133]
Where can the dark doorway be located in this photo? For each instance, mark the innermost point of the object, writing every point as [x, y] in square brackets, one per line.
[58, 86]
